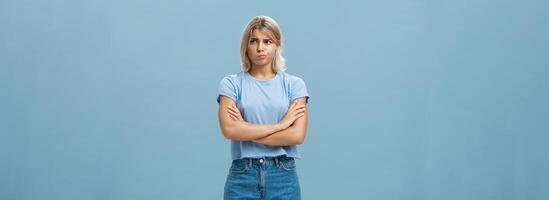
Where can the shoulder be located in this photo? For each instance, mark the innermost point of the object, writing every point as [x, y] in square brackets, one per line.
[230, 86]
[233, 78]
[292, 79]
[296, 87]
[236, 76]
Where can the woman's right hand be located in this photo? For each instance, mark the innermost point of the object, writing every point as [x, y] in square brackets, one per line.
[294, 112]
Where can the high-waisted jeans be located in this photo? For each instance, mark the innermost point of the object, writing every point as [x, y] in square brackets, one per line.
[263, 178]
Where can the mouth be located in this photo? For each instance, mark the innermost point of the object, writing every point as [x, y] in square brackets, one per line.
[262, 56]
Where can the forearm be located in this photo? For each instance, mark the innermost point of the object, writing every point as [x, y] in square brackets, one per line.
[242, 130]
[289, 136]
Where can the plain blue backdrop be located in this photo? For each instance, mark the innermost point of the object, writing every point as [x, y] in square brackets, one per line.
[410, 99]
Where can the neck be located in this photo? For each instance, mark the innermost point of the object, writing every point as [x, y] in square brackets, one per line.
[262, 72]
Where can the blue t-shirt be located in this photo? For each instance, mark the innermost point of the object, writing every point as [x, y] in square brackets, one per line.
[262, 102]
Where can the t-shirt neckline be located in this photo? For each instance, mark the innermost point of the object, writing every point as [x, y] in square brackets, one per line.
[259, 80]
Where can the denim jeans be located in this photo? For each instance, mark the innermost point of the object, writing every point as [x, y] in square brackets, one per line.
[263, 178]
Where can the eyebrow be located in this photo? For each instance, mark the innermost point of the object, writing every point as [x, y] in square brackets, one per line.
[254, 38]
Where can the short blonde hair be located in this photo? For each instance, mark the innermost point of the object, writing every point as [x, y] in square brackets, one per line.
[262, 23]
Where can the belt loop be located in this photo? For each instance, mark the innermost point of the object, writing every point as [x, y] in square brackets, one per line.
[276, 161]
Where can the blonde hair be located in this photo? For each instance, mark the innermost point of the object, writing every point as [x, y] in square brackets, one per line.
[262, 23]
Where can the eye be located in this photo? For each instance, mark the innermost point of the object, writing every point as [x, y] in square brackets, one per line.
[269, 42]
[252, 41]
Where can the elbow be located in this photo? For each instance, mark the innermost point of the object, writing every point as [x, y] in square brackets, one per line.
[227, 136]
[297, 136]
[232, 132]
[228, 133]
[299, 139]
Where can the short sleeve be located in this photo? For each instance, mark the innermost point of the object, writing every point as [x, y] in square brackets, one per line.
[227, 88]
[298, 89]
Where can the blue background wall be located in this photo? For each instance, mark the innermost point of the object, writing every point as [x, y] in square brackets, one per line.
[417, 99]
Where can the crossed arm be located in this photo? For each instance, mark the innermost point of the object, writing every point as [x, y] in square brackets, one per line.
[290, 130]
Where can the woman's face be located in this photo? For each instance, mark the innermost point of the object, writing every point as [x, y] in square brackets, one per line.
[261, 48]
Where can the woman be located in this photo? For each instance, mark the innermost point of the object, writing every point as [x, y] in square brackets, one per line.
[262, 110]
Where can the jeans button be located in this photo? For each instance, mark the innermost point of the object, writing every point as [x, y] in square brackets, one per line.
[261, 160]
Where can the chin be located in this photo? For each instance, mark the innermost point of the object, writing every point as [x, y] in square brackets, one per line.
[261, 63]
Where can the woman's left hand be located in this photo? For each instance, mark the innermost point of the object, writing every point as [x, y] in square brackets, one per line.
[234, 113]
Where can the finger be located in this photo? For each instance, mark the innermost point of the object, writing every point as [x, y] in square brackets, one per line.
[297, 116]
[236, 117]
[233, 108]
[237, 110]
[298, 110]
[232, 117]
[299, 113]
[232, 112]
[291, 109]
[292, 105]
[299, 106]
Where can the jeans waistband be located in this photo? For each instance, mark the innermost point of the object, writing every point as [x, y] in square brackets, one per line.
[267, 159]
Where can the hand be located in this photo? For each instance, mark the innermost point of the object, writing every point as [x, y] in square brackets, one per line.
[294, 113]
[234, 113]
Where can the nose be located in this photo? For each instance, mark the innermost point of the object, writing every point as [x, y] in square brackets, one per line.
[260, 47]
